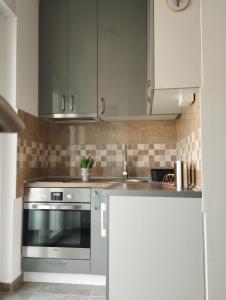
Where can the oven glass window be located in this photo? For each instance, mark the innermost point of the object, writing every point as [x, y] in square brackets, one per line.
[56, 228]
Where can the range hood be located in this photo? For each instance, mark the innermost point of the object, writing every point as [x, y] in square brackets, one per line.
[171, 102]
[9, 120]
[71, 118]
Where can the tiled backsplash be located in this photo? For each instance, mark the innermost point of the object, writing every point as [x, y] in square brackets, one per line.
[32, 154]
[55, 149]
[31, 157]
[189, 149]
[112, 155]
[189, 139]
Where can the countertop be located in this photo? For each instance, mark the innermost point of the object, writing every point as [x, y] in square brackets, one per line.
[154, 189]
[115, 186]
[98, 184]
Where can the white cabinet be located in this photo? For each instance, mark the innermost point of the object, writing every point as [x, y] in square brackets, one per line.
[155, 248]
[177, 46]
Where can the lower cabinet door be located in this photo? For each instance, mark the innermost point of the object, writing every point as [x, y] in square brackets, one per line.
[155, 248]
[98, 233]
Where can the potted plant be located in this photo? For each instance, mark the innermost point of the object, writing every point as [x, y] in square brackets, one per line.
[86, 163]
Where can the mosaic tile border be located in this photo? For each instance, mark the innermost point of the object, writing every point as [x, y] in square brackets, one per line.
[111, 155]
[32, 154]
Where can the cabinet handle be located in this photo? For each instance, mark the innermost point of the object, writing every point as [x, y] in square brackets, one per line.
[96, 200]
[49, 262]
[150, 97]
[63, 102]
[102, 106]
[72, 102]
[102, 210]
[149, 106]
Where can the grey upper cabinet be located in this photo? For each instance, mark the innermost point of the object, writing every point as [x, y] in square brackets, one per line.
[68, 58]
[52, 57]
[122, 58]
[93, 59]
[83, 57]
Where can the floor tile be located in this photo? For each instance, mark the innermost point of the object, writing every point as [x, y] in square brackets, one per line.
[29, 287]
[53, 291]
[81, 290]
[71, 289]
[16, 296]
[43, 296]
[98, 291]
[70, 297]
[54, 288]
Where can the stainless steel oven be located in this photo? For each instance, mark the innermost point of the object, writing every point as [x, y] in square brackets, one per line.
[56, 223]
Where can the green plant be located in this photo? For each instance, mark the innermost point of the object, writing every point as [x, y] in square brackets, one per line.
[86, 162]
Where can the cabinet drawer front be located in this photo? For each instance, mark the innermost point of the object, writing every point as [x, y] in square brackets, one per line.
[56, 265]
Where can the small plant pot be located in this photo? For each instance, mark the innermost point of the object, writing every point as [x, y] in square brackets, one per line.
[85, 174]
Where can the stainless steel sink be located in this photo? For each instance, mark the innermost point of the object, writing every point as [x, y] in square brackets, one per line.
[134, 180]
[130, 180]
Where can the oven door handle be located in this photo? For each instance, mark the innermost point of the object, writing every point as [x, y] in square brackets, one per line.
[57, 207]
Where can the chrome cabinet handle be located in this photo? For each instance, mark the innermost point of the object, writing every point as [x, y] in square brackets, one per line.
[149, 106]
[49, 262]
[96, 201]
[102, 106]
[150, 96]
[72, 102]
[103, 209]
[63, 102]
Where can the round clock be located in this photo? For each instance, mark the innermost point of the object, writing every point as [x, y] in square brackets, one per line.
[178, 5]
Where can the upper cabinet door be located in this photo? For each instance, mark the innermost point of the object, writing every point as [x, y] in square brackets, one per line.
[177, 46]
[53, 57]
[82, 61]
[122, 58]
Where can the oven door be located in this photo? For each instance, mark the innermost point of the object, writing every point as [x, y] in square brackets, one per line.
[58, 230]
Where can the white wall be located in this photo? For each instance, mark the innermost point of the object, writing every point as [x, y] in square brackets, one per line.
[27, 55]
[213, 124]
[2, 37]
[19, 85]
[9, 270]
[11, 4]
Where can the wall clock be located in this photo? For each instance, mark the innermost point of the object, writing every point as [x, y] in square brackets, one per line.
[178, 5]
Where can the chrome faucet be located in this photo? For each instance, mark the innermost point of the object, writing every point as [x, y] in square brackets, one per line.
[125, 173]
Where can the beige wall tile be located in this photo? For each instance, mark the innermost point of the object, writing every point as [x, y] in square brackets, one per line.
[55, 149]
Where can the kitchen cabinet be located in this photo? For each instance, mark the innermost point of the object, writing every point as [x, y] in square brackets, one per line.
[52, 57]
[68, 58]
[82, 61]
[155, 248]
[65, 266]
[122, 58]
[177, 46]
[98, 232]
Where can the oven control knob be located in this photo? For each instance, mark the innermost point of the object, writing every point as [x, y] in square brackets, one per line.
[69, 196]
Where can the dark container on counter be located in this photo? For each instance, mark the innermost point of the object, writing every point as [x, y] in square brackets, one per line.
[159, 174]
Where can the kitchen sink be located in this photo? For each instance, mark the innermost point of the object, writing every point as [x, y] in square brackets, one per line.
[130, 180]
[134, 180]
